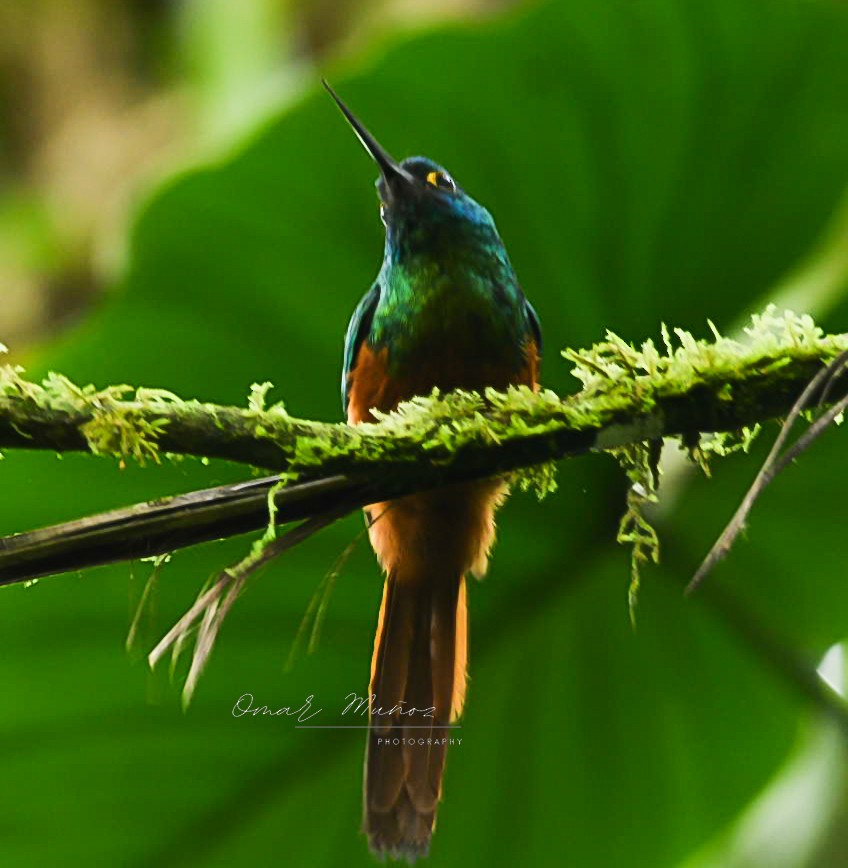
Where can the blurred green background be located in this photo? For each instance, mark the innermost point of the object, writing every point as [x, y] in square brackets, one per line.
[180, 206]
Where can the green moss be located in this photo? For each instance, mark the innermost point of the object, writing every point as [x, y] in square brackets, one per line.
[258, 394]
[640, 461]
[724, 443]
[124, 433]
[541, 479]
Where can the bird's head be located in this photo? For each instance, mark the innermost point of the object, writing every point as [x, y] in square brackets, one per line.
[419, 200]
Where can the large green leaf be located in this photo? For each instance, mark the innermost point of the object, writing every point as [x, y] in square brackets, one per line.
[664, 160]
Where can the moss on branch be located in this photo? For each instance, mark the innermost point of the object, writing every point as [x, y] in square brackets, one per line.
[631, 399]
[686, 388]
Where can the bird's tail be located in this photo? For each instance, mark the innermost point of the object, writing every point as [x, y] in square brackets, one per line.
[417, 689]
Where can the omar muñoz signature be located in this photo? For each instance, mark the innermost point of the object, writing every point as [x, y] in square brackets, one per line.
[356, 704]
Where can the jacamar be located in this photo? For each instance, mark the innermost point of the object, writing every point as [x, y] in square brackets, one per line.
[446, 311]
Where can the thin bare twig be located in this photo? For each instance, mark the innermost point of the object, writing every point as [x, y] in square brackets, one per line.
[150, 586]
[211, 608]
[775, 462]
[317, 608]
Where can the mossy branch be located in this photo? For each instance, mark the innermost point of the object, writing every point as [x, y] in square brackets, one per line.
[631, 399]
[630, 396]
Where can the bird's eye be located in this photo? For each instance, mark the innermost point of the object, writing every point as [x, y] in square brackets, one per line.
[442, 180]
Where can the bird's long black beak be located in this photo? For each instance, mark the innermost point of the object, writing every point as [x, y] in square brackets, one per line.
[395, 176]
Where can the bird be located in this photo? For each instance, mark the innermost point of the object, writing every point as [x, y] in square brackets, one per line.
[445, 312]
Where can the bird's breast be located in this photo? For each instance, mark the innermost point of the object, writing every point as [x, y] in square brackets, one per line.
[444, 337]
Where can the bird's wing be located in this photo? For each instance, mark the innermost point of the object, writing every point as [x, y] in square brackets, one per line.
[535, 325]
[357, 331]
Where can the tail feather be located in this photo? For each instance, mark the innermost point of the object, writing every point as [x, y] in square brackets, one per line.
[418, 663]
[460, 665]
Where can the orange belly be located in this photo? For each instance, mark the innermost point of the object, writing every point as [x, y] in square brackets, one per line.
[455, 524]
[372, 387]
